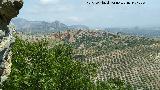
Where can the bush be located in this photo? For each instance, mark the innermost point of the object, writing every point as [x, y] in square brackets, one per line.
[35, 66]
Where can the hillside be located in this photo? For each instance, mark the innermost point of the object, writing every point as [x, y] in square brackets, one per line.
[131, 58]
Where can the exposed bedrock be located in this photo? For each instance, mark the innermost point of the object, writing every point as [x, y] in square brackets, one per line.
[8, 10]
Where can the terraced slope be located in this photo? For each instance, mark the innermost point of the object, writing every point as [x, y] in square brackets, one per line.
[139, 66]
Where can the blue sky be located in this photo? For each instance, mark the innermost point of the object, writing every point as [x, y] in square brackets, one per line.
[78, 12]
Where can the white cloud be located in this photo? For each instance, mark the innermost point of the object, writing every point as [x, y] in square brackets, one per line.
[75, 19]
[48, 1]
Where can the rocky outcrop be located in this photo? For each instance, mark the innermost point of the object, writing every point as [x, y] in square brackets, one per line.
[8, 10]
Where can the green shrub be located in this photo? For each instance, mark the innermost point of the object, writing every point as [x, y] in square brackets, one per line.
[35, 66]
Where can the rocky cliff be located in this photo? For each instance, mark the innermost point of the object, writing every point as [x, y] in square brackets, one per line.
[8, 10]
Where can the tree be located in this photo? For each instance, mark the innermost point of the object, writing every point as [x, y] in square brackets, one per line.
[35, 66]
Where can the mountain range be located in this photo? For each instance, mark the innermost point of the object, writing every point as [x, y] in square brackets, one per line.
[43, 27]
[138, 31]
[24, 25]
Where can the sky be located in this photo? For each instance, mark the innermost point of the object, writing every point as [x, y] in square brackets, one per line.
[73, 12]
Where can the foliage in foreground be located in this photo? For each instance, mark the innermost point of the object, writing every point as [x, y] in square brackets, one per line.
[37, 67]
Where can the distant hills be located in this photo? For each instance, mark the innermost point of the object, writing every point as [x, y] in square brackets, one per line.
[24, 25]
[43, 27]
[144, 31]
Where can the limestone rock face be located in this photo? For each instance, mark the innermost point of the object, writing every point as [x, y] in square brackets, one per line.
[8, 10]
